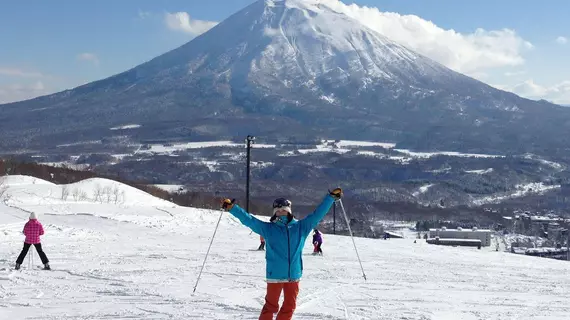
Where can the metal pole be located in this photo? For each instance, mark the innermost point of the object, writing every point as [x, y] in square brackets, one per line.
[248, 167]
[334, 218]
[568, 245]
[352, 237]
[208, 252]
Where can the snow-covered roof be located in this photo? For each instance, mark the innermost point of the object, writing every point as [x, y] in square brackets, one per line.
[460, 230]
[545, 250]
[543, 218]
[457, 240]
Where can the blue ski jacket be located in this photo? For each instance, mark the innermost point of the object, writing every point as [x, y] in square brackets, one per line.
[284, 241]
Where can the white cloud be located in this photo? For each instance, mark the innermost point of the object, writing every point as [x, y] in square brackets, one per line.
[558, 93]
[15, 72]
[19, 92]
[468, 53]
[86, 56]
[561, 40]
[181, 21]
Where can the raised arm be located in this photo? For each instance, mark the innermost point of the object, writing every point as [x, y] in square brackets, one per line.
[312, 220]
[246, 218]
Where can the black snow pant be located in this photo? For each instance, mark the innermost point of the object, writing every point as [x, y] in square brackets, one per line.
[24, 252]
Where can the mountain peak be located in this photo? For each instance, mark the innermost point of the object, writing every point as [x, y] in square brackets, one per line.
[299, 43]
[305, 62]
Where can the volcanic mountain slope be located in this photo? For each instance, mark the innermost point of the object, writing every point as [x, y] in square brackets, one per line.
[292, 68]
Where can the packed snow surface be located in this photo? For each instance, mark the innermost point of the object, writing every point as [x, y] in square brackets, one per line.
[140, 260]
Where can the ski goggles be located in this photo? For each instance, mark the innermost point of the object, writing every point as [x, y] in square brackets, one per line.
[281, 202]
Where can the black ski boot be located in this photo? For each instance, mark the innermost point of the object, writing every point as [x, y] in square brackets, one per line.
[46, 266]
[17, 266]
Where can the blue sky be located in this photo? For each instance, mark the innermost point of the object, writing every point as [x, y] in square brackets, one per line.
[47, 46]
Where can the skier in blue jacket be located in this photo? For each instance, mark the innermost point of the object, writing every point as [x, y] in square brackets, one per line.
[285, 238]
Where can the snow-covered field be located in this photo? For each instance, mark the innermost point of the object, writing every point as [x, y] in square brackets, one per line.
[481, 171]
[445, 153]
[127, 126]
[342, 146]
[520, 191]
[139, 259]
[170, 148]
[170, 187]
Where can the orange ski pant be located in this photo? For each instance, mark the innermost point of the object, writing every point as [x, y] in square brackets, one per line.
[290, 290]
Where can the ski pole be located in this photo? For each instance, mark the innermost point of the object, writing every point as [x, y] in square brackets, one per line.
[352, 237]
[31, 257]
[208, 252]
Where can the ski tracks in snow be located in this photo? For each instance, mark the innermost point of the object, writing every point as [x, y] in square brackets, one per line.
[143, 266]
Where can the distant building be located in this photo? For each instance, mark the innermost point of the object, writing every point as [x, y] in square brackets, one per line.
[508, 222]
[389, 234]
[455, 242]
[479, 234]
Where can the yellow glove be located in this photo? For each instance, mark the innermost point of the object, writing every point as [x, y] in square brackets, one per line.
[228, 204]
[336, 193]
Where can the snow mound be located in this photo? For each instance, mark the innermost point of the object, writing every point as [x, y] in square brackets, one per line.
[34, 191]
[106, 191]
[18, 180]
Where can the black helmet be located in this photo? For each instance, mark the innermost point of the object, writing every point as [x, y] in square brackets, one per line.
[281, 202]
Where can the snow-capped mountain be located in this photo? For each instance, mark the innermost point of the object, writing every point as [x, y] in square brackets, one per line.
[291, 68]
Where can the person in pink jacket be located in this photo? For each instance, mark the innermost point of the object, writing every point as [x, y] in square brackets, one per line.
[33, 230]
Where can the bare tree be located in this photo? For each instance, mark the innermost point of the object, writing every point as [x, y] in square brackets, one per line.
[98, 194]
[107, 193]
[75, 194]
[64, 192]
[122, 197]
[82, 195]
[116, 193]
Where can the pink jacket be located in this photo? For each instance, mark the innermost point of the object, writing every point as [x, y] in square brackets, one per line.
[33, 230]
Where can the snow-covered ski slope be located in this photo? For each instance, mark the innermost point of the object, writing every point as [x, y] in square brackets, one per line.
[139, 259]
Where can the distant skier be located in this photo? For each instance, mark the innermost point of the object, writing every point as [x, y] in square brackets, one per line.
[285, 238]
[317, 242]
[33, 230]
[262, 244]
